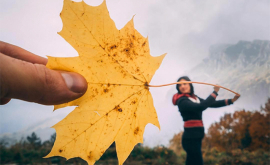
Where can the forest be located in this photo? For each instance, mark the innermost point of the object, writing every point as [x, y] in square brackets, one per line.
[239, 138]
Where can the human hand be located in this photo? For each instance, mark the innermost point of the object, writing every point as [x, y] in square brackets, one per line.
[23, 75]
[216, 89]
[235, 98]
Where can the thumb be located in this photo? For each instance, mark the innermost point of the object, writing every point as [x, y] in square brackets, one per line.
[36, 83]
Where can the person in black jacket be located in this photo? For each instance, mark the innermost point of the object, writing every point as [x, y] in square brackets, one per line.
[191, 107]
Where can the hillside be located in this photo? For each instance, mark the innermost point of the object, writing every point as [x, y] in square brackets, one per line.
[243, 67]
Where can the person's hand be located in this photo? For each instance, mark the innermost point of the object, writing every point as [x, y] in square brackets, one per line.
[23, 75]
[216, 89]
[235, 98]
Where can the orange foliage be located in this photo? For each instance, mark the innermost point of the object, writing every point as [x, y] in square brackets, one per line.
[176, 143]
[242, 130]
[260, 128]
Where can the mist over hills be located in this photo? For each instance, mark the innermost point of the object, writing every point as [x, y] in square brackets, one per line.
[243, 67]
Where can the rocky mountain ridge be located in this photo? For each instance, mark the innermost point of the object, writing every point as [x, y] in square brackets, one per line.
[243, 67]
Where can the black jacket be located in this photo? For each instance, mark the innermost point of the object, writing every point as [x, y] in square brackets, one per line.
[190, 110]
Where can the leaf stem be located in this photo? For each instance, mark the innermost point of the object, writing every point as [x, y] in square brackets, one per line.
[189, 82]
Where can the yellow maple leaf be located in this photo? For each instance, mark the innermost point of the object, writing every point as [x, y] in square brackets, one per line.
[118, 68]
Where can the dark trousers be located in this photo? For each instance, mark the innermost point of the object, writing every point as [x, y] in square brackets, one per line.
[193, 150]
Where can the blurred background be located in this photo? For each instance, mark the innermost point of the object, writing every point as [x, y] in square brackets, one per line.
[222, 42]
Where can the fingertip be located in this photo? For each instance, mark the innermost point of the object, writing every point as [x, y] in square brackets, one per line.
[75, 82]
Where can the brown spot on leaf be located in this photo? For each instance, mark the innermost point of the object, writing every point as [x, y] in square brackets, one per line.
[89, 156]
[105, 90]
[82, 13]
[96, 91]
[60, 150]
[136, 131]
[113, 47]
[118, 108]
[144, 44]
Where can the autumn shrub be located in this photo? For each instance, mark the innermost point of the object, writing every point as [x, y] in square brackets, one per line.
[245, 130]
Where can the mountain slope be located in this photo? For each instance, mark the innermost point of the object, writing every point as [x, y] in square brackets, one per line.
[243, 67]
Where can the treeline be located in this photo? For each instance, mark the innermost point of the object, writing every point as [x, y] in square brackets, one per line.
[240, 138]
[31, 151]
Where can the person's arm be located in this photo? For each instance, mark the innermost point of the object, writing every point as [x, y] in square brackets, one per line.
[187, 105]
[221, 103]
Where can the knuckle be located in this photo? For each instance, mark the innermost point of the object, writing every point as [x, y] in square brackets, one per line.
[45, 75]
[48, 78]
[45, 79]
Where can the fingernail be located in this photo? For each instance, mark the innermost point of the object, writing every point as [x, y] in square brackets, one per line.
[74, 82]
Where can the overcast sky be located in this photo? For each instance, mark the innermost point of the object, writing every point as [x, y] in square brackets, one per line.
[182, 28]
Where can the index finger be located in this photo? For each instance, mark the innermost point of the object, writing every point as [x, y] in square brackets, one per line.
[20, 53]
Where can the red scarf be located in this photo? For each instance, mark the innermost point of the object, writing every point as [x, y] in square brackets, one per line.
[177, 96]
